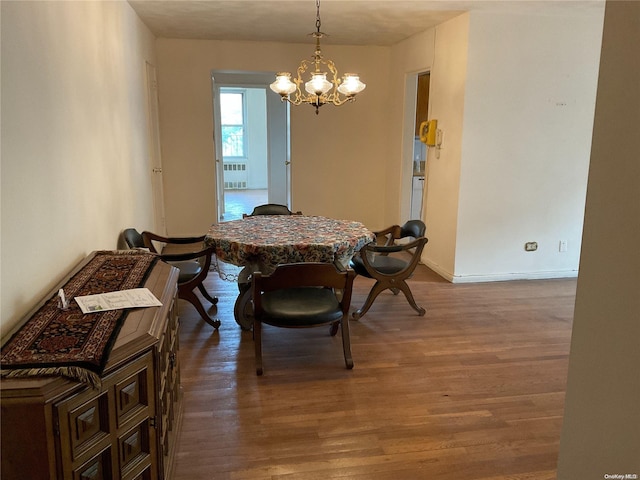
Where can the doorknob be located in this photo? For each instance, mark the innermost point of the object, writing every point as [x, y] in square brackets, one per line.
[287, 162]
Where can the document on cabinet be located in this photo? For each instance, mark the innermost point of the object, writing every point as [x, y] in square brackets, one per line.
[133, 298]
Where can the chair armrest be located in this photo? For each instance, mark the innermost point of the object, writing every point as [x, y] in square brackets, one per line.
[149, 237]
[372, 247]
[417, 246]
[178, 257]
[386, 249]
[177, 240]
[390, 234]
[386, 231]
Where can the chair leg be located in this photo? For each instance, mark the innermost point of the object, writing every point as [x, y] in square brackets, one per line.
[334, 328]
[213, 300]
[346, 342]
[257, 341]
[375, 291]
[407, 293]
[193, 300]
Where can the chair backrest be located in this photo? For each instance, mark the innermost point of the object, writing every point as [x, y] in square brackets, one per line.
[413, 228]
[133, 238]
[270, 209]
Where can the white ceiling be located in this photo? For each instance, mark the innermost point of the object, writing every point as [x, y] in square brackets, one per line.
[346, 22]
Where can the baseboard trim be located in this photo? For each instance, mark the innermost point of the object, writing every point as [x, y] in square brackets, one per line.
[501, 277]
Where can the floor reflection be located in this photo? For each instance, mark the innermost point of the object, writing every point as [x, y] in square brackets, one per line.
[238, 202]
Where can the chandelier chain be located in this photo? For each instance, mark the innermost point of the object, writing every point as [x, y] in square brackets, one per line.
[318, 16]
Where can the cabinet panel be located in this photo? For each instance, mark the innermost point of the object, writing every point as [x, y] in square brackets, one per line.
[88, 423]
[131, 396]
[169, 396]
[144, 475]
[96, 468]
[134, 447]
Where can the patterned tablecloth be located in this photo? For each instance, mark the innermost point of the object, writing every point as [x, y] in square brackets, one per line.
[265, 241]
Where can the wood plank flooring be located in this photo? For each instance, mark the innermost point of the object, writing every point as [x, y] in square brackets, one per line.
[472, 390]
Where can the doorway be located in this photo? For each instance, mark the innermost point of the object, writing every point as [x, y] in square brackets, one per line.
[252, 156]
[414, 156]
[418, 184]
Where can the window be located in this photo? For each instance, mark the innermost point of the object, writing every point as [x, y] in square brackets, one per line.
[232, 123]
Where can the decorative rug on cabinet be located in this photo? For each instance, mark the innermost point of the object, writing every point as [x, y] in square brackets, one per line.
[67, 342]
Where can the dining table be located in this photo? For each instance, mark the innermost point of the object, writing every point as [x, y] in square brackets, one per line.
[261, 242]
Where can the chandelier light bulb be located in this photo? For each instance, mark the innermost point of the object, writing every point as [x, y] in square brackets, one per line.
[351, 84]
[318, 85]
[283, 84]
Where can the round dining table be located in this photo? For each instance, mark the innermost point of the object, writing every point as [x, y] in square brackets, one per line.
[261, 242]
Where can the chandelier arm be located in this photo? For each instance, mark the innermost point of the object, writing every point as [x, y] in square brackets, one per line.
[299, 97]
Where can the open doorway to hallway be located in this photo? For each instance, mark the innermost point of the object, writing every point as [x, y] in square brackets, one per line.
[243, 123]
[251, 138]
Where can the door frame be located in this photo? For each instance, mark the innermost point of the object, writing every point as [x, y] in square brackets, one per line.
[155, 157]
[278, 135]
[408, 139]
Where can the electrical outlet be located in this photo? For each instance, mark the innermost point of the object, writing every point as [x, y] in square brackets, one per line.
[562, 247]
[531, 246]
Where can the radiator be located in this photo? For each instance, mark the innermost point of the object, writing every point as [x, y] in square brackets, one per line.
[235, 176]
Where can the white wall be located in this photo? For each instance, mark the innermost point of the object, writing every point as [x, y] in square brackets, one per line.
[528, 118]
[446, 104]
[516, 108]
[601, 428]
[338, 158]
[75, 168]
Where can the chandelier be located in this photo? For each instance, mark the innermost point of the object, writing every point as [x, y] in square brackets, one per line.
[319, 90]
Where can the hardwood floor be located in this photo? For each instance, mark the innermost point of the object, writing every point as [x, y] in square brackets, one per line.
[472, 390]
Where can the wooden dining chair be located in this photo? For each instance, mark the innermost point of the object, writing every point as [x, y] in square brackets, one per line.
[390, 264]
[193, 261]
[299, 295]
[270, 209]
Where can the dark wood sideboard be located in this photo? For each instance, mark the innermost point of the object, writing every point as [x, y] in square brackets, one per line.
[55, 428]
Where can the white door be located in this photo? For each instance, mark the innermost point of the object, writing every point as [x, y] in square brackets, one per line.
[217, 143]
[154, 150]
[278, 135]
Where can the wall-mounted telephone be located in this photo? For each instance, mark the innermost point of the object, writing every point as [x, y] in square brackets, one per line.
[428, 132]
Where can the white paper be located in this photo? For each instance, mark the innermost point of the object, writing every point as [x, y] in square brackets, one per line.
[134, 298]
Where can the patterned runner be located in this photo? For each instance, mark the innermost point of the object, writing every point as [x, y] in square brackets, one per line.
[67, 342]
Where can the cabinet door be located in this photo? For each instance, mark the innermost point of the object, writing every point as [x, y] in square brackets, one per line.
[109, 433]
[85, 428]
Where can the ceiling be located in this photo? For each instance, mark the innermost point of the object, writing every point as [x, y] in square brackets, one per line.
[346, 22]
